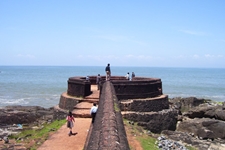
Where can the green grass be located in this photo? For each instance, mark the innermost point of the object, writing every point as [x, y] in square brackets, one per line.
[190, 148]
[147, 142]
[39, 135]
[116, 106]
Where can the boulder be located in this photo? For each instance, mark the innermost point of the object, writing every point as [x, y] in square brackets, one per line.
[24, 114]
[206, 111]
[155, 121]
[205, 128]
[184, 104]
[223, 105]
[163, 120]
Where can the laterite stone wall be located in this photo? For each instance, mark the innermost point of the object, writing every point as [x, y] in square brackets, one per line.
[78, 86]
[145, 105]
[137, 88]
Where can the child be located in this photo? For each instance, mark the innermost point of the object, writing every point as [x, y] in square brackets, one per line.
[70, 119]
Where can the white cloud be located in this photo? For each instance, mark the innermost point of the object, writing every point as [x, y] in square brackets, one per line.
[193, 32]
[196, 56]
[213, 56]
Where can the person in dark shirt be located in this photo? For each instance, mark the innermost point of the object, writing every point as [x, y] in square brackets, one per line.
[98, 81]
[132, 76]
[108, 72]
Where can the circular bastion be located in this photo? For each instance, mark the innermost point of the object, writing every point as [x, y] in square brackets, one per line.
[79, 88]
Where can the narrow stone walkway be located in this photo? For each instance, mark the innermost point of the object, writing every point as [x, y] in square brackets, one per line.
[82, 109]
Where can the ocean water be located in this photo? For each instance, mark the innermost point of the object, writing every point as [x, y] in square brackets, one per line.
[43, 85]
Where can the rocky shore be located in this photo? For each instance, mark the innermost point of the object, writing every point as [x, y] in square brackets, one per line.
[199, 123]
[194, 122]
[13, 119]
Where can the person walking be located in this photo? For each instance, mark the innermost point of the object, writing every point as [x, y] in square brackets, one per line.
[70, 119]
[93, 112]
[98, 81]
[108, 72]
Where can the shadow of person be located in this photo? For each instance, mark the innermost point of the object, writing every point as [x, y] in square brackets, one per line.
[74, 133]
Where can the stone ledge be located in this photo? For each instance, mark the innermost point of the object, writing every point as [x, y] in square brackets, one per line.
[145, 105]
[81, 113]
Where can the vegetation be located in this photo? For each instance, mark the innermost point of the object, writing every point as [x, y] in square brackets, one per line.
[35, 137]
[190, 148]
[147, 142]
[116, 106]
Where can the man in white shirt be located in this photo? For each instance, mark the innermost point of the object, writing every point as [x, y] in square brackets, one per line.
[127, 76]
[93, 111]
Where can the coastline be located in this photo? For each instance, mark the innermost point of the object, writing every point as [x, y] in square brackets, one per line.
[196, 107]
[43, 85]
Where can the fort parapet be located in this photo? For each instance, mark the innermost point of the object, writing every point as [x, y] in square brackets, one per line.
[78, 86]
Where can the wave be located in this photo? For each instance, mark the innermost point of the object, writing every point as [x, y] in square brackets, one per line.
[21, 101]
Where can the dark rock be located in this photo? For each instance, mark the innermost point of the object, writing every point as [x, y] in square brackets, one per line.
[155, 121]
[223, 106]
[184, 104]
[29, 114]
[6, 139]
[164, 120]
[206, 111]
[204, 128]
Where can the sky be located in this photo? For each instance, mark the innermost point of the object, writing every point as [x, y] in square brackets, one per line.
[152, 33]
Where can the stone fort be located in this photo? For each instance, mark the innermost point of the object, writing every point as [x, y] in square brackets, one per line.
[140, 99]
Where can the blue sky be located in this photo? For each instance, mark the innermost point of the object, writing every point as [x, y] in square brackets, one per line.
[157, 33]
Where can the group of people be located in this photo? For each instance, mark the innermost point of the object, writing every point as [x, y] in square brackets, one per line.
[108, 74]
[128, 76]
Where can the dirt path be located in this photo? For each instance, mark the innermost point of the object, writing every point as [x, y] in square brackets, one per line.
[61, 141]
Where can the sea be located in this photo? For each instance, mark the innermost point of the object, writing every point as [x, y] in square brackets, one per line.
[43, 85]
